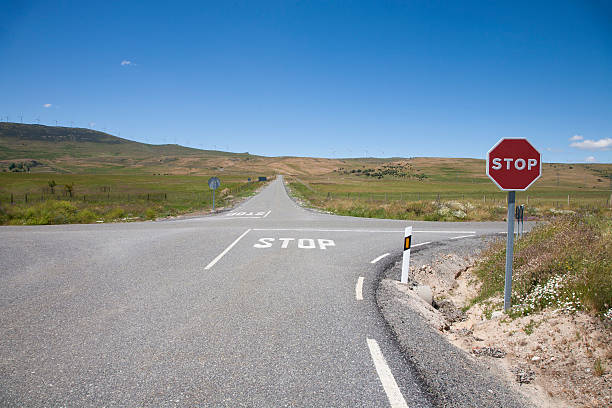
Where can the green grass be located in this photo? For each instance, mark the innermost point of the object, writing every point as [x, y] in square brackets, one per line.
[565, 263]
[109, 197]
[452, 190]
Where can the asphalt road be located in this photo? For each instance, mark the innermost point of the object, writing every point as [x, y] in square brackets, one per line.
[257, 307]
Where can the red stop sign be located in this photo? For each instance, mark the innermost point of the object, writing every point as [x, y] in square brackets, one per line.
[514, 164]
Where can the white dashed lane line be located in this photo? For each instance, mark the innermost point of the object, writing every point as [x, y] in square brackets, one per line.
[396, 399]
[359, 289]
[373, 261]
[421, 244]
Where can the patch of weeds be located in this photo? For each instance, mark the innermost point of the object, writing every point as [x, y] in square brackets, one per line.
[86, 217]
[115, 214]
[599, 368]
[488, 310]
[551, 293]
[551, 271]
[150, 214]
[528, 329]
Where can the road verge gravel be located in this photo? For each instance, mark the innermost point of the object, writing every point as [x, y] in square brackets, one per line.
[452, 377]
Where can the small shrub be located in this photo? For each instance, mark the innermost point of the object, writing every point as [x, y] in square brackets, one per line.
[115, 213]
[49, 212]
[86, 217]
[150, 214]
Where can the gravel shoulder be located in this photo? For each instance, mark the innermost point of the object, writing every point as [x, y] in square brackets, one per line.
[453, 377]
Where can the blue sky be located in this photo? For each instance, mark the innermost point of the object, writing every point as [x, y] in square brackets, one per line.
[318, 78]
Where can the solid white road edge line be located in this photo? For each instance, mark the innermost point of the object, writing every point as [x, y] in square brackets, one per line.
[463, 236]
[396, 399]
[422, 243]
[373, 261]
[358, 230]
[240, 218]
[359, 289]
[214, 261]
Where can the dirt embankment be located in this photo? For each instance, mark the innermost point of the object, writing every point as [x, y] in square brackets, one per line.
[551, 358]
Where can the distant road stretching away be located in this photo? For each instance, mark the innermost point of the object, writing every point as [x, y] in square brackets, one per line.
[267, 305]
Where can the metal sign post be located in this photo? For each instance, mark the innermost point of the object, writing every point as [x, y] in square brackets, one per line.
[214, 184]
[509, 250]
[406, 256]
[513, 165]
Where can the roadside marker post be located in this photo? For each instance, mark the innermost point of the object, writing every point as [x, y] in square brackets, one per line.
[214, 184]
[513, 165]
[518, 215]
[406, 256]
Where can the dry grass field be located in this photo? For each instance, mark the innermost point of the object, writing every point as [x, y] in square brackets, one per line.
[414, 188]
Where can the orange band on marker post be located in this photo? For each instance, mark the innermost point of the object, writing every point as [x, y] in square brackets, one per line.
[407, 241]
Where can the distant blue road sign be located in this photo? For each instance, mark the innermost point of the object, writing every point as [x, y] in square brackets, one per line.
[214, 183]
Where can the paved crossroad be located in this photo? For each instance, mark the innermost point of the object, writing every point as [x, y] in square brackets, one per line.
[267, 305]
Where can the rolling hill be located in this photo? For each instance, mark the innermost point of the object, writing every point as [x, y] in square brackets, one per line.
[78, 150]
[85, 151]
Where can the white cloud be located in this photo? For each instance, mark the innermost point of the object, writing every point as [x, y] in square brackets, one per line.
[126, 62]
[601, 144]
[47, 105]
[575, 138]
[92, 124]
[590, 159]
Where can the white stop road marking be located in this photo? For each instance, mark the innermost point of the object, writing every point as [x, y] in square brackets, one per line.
[301, 243]
[248, 214]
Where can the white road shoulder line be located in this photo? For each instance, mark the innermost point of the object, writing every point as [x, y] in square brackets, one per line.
[321, 230]
[214, 261]
[373, 261]
[422, 243]
[463, 236]
[361, 230]
[396, 399]
[359, 289]
[445, 232]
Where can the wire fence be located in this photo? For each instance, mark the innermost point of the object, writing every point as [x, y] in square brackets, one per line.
[105, 195]
[596, 199]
